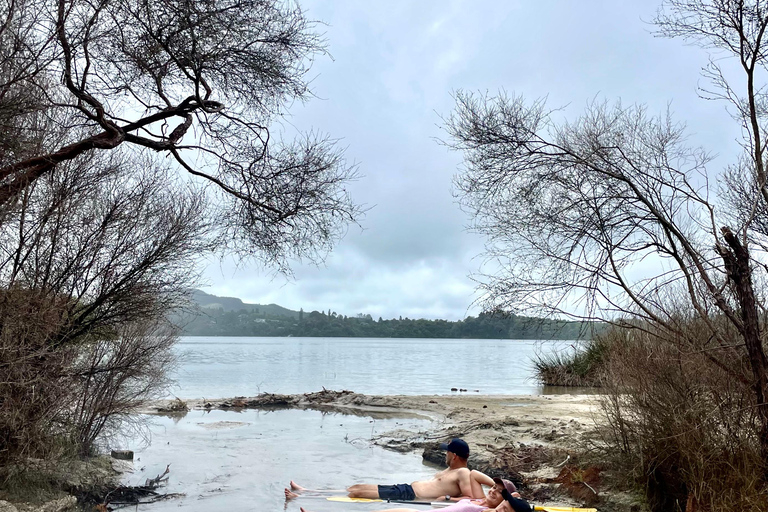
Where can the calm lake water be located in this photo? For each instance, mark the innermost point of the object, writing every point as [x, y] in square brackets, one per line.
[215, 367]
[241, 461]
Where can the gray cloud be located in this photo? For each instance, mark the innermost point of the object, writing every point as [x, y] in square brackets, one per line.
[395, 64]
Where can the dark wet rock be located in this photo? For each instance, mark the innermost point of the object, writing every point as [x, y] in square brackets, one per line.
[122, 454]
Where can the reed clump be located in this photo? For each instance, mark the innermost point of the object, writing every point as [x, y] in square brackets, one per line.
[580, 367]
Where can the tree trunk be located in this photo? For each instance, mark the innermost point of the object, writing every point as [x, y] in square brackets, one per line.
[738, 268]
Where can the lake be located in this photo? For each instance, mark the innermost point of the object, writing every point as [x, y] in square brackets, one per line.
[233, 461]
[215, 367]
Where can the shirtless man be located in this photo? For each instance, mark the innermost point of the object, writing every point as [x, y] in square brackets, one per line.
[453, 482]
[497, 501]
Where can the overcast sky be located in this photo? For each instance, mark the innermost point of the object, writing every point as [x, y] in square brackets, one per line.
[394, 66]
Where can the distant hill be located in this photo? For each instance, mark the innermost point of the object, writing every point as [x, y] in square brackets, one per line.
[230, 316]
[227, 304]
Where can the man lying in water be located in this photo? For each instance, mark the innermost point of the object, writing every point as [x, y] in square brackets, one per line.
[455, 482]
[502, 497]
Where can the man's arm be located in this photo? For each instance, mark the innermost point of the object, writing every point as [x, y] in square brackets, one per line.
[465, 484]
[477, 480]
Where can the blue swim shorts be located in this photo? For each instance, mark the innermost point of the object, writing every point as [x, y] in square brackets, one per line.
[399, 492]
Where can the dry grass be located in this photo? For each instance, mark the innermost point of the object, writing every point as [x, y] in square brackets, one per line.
[681, 426]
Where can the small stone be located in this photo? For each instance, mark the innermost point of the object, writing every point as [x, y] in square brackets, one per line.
[60, 505]
[7, 507]
[122, 454]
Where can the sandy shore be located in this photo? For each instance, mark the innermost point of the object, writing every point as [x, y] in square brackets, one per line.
[533, 440]
[536, 441]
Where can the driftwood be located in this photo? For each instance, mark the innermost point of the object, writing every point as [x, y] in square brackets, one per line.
[131, 495]
[275, 400]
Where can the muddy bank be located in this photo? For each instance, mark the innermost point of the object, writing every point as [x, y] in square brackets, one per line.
[60, 485]
[533, 440]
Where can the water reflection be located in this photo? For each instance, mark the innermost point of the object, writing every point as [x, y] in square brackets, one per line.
[226, 460]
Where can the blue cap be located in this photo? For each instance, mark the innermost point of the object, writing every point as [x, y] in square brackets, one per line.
[457, 446]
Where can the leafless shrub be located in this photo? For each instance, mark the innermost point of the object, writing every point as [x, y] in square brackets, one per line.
[686, 429]
[30, 387]
[92, 263]
[112, 377]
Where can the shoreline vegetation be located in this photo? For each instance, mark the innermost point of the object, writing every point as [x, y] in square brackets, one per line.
[210, 315]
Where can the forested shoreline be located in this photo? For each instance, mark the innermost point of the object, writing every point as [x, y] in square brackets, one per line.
[218, 322]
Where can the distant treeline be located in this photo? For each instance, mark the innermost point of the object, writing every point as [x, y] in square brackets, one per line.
[255, 322]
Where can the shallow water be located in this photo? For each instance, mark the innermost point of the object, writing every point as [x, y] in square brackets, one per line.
[216, 367]
[230, 461]
[241, 461]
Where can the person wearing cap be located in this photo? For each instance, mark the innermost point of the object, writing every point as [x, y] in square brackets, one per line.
[513, 502]
[494, 502]
[447, 484]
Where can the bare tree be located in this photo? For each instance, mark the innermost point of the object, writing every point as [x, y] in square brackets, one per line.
[135, 136]
[92, 261]
[197, 82]
[112, 376]
[576, 212]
